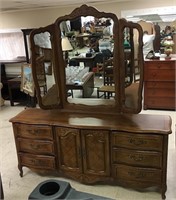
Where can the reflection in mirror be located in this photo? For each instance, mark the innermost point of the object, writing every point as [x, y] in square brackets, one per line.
[46, 84]
[132, 64]
[92, 44]
[99, 71]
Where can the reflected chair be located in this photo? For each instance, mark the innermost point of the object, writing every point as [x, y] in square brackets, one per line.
[47, 53]
[108, 87]
[136, 71]
[41, 75]
[99, 59]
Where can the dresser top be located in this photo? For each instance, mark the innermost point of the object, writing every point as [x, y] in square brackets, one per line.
[163, 58]
[135, 123]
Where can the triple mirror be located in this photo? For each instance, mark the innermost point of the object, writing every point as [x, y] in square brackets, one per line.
[88, 61]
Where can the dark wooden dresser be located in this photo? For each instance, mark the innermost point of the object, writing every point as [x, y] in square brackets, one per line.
[125, 149]
[160, 84]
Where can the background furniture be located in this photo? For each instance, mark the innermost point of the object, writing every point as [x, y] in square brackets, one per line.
[5, 77]
[1, 99]
[26, 33]
[15, 95]
[129, 150]
[159, 84]
[1, 189]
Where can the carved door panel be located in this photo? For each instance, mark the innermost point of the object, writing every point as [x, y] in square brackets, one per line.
[95, 150]
[69, 149]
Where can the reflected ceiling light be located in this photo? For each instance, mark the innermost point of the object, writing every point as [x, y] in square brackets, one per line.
[168, 18]
[133, 19]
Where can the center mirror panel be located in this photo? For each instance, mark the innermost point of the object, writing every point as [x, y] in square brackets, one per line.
[88, 42]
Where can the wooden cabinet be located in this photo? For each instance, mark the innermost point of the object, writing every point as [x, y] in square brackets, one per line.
[69, 149]
[84, 152]
[129, 150]
[159, 84]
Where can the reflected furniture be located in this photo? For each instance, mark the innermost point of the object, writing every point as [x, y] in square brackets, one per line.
[82, 39]
[88, 61]
[124, 149]
[86, 85]
[105, 44]
[108, 87]
[160, 84]
[41, 73]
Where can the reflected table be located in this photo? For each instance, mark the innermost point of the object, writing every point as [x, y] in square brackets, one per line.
[87, 85]
[88, 61]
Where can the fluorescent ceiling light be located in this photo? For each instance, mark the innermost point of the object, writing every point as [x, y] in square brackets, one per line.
[168, 18]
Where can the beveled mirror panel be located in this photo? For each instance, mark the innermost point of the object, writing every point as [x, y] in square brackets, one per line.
[43, 67]
[132, 62]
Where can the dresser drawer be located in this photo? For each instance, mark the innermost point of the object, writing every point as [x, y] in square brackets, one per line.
[159, 75]
[33, 131]
[139, 158]
[160, 92]
[159, 65]
[159, 102]
[161, 85]
[129, 173]
[36, 146]
[37, 161]
[137, 141]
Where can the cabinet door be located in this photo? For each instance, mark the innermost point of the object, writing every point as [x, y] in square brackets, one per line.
[69, 149]
[95, 150]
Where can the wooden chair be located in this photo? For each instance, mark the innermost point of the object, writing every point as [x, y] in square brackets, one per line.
[108, 87]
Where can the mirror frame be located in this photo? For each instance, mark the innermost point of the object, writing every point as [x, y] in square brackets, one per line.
[98, 105]
[84, 11]
[51, 30]
[123, 23]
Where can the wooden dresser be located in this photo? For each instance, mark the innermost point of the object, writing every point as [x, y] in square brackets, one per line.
[160, 84]
[125, 149]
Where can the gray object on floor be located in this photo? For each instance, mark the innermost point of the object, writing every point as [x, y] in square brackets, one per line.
[54, 189]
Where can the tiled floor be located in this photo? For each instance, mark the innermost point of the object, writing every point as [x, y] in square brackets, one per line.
[17, 188]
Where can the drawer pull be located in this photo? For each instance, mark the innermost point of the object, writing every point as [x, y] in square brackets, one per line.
[136, 157]
[33, 132]
[32, 161]
[154, 75]
[34, 146]
[137, 175]
[137, 142]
